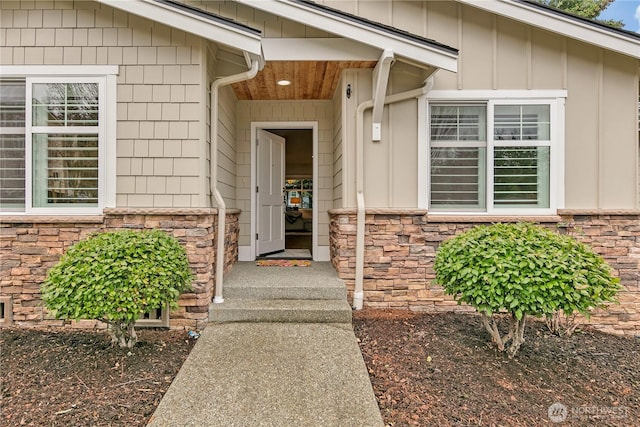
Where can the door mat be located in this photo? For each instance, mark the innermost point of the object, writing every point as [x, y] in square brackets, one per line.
[283, 263]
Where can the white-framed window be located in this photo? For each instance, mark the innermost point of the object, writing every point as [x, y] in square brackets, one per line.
[497, 155]
[54, 155]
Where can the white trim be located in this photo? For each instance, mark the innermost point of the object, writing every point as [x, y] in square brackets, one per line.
[28, 158]
[313, 126]
[312, 49]
[559, 151]
[57, 70]
[100, 129]
[323, 254]
[246, 254]
[484, 95]
[105, 76]
[424, 158]
[191, 23]
[110, 143]
[560, 24]
[299, 12]
[556, 101]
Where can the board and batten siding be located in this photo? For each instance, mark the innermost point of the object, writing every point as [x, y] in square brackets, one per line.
[338, 149]
[286, 111]
[496, 53]
[160, 135]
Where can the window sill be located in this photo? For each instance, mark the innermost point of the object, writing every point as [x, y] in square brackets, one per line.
[475, 218]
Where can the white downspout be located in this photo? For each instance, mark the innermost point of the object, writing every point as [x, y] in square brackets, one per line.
[358, 293]
[222, 207]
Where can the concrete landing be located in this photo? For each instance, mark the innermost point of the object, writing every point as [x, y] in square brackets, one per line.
[272, 374]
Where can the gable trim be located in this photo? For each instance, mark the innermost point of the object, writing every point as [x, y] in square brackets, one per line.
[403, 44]
[563, 24]
[195, 21]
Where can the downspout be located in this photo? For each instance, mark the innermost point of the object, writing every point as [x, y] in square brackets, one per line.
[358, 293]
[222, 207]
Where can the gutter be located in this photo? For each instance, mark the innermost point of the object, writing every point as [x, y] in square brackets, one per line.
[222, 207]
[358, 293]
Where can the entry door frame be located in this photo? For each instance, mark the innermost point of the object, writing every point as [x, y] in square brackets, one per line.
[308, 125]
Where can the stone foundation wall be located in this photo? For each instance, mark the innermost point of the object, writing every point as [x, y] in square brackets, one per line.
[29, 246]
[400, 247]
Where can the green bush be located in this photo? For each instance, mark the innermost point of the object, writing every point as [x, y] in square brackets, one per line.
[115, 276]
[522, 269]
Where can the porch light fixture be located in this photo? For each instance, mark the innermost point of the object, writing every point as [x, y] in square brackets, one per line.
[284, 82]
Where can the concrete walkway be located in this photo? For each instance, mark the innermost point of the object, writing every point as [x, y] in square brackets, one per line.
[272, 374]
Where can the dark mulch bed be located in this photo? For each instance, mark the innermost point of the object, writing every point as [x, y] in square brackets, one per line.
[426, 370]
[77, 378]
[437, 370]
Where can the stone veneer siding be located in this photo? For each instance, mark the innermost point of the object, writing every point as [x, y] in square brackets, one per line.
[400, 247]
[29, 246]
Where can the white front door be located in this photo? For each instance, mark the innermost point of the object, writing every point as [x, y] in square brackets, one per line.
[270, 200]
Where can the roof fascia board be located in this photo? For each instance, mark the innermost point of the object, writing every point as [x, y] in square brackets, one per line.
[559, 24]
[358, 32]
[317, 49]
[191, 23]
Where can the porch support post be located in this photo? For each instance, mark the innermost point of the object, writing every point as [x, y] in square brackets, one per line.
[380, 81]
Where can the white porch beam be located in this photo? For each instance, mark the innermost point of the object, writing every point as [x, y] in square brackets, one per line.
[380, 81]
[316, 49]
[360, 32]
[191, 23]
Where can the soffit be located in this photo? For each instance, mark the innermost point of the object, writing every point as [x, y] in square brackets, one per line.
[309, 80]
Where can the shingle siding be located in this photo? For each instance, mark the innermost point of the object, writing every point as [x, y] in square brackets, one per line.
[159, 88]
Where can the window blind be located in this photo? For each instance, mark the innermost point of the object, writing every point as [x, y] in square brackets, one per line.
[12, 144]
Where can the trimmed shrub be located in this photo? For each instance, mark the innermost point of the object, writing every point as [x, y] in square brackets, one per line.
[115, 276]
[522, 269]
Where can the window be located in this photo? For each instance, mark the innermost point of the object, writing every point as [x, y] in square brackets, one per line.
[51, 142]
[458, 154]
[494, 156]
[12, 154]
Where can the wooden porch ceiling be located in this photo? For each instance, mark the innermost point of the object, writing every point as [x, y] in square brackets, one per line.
[309, 80]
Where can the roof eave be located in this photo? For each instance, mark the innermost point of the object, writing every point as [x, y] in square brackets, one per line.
[219, 32]
[433, 56]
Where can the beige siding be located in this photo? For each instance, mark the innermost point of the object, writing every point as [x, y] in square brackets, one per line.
[227, 156]
[601, 137]
[279, 111]
[338, 155]
[582, 67]
[159, 89]
[361, 90]
[618, 84]
[226, 135]
[390, 165]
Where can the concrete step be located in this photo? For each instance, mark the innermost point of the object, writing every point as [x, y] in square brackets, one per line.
[281, 311]
[333, 290]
